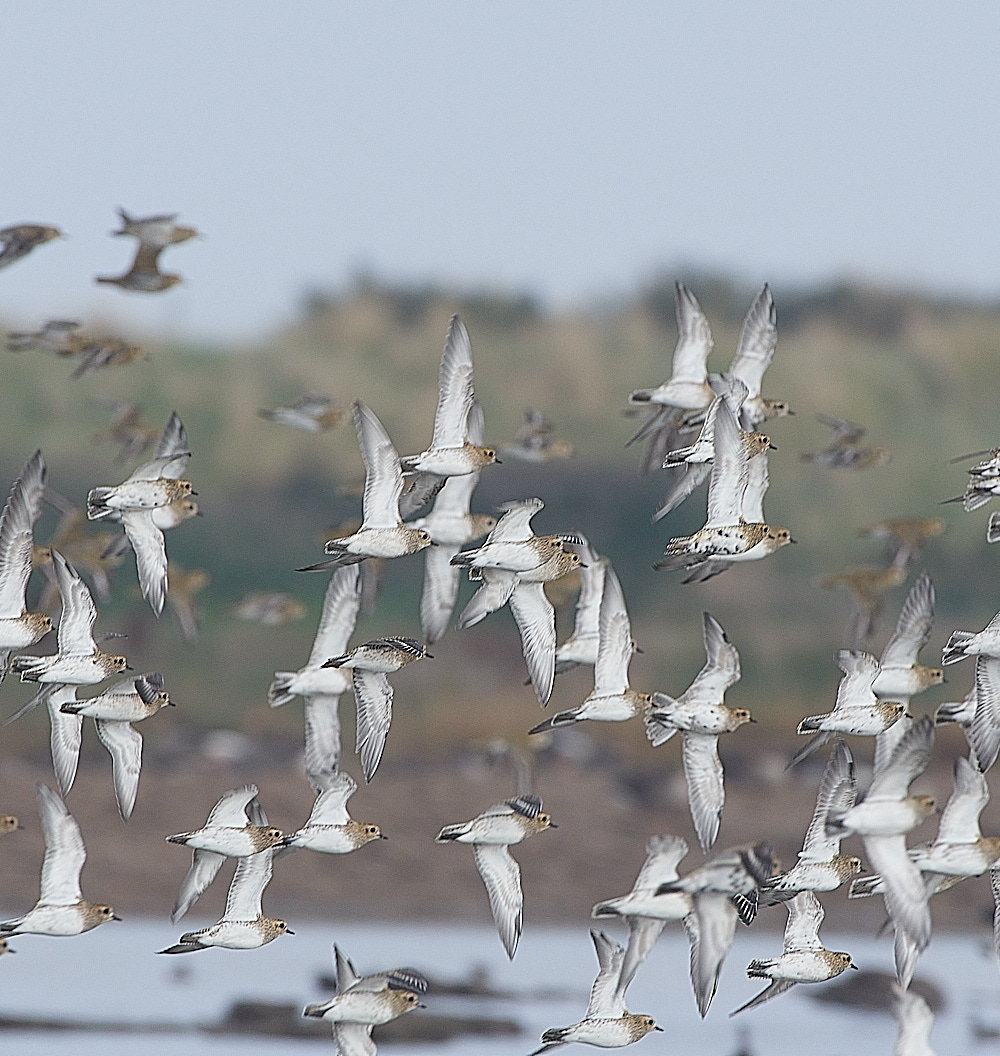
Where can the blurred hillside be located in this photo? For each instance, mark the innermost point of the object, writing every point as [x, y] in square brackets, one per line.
[917, 371]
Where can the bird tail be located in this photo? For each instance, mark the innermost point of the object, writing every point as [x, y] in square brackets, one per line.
[949, 712]
[658, 731]
[993, 529]
[746, 906]
[954, 650]
[864, 886]
[98, 496]
[278, 693]
[972, 500]
[758, 969]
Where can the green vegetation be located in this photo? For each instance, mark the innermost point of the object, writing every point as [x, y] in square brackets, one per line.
[917, 372]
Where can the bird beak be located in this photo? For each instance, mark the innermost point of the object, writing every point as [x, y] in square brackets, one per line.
[772, 447]
[429, 656]
[855, 967]
[288, 931]
[497, 462]
[192, 493]
[655, 1027]
[751, 719]
[382, 836]
[421, 1006]
[639, 649]
[114, 916]
[128, 668]
[171, 704]
[553, 825]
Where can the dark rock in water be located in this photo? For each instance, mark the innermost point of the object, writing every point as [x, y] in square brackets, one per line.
[476, 984]
[424, 1026]
[269, 1018]
[873, 990]
[265, 1018]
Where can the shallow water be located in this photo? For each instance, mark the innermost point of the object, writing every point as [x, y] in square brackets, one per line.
[111, 974]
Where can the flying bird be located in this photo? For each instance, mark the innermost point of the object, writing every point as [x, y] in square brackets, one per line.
[646, 912]
[608, 1024]
[382, 533]
[803, 958]
[364, 1001]
[330, 829]
[243, 925]
[18, 627]
[490, 834]
[61, 908]
[451, 453]
[236, 827]
[113, 712]
[18, 240]
[701, 714]
[321, 686]
[370, 664]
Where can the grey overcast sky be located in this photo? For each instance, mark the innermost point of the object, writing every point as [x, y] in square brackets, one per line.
[567, 147]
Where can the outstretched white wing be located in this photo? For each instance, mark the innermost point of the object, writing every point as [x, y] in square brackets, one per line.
[64, 851]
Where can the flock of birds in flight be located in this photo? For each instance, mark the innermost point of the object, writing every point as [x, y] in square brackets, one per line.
[698, 427]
